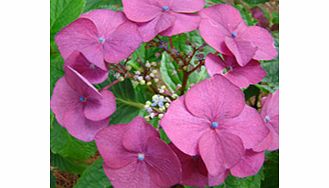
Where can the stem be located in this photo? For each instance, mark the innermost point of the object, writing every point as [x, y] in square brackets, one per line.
[187, 74]
[111, 84]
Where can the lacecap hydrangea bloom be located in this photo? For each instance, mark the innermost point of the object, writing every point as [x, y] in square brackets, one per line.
[223, 28]
[213, 121]
[103, 36]
[167, 17]
[135, 156]
[252, 73]
[79, 107]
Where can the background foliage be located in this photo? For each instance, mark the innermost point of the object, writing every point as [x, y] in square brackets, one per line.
[77, 164]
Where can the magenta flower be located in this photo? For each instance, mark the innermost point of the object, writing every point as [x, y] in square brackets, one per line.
[194, 171]
[134, 156]
[252, 73]
[79, 107]
[167, 17]
[88, 70]
[270, 115]
[212, 120]
[101, 35]
[249, 165]
[223, 28]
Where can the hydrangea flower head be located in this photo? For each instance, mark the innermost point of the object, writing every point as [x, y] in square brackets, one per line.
[252, 73]
[135, 156]
[101, 35]
[212, 120]
[270, 115]
[91, 72]
[223, 28]
[167, 17]
[194, 171]
[79, 107]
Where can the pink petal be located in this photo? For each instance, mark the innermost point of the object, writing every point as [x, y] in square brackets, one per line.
[80, 84]
[215, 98]
[81, 35]
[249, 165]
[81, 64]
[183, 23]
[218, 22]
[194, 171]
[109, 144]
[81, 128]
[134, 175]
[248, 126]
[220, 151]
[150, 29]
[243, 51]
[271, 109]
[219, 179]
[182, 128]
[164, 165]
[135, 138]
[105, 20]
[122, 42]
[263, 40]
[141, 10]
[187, 6]
[214, 64]
[63, 100]
[100, 109]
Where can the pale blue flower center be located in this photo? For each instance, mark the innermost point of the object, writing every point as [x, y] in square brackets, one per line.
[165, 8]
[101, 40]
[214, 125]
[82, 99]
[140, 156]
[267, 119]
[234, 34]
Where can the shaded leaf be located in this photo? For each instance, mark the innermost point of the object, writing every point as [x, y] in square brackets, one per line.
[67, 165]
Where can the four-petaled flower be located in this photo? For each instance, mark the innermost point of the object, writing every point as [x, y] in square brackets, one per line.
[79, 107]
[135, 156]
[223, 28]
[167, 17]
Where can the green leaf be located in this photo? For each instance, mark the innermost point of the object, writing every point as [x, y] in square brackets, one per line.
[67, 165]
[169, 73]
[97, 4]
[56, 69]
[62, 143]
[129, 105]
[255, 1]
[63, 12]
[93, 177]
[271, 171]
[248, 182]
[272, 77]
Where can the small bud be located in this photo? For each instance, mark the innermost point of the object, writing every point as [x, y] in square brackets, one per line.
[161, 90]
[152, 75]
[152, 115]
[149, 83]
[121, 78]
[160, 116]
[163, 87]
[140, 78]
[128, 67]
[147, 118]
[147, 78]
[167, 105]
[148, 65]
[142, 82]
[179, 85]
[148, 103]
[154, 64]
[154, 71]
[174, 96]
[137, 72]
[156, 80]
[185, 68]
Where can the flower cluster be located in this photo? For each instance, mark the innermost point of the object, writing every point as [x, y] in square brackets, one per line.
[213, 132]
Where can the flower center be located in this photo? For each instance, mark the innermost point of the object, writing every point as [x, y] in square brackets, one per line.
[82, 99]
[267, 119]
[165, 8]
[140, 156]
[214, 125]
[234, 34]
[101, 40]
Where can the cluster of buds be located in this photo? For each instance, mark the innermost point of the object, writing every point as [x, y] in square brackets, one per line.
[157, 107]
[148, 75]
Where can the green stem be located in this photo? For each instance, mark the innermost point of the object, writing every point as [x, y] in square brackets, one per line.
[131, 103]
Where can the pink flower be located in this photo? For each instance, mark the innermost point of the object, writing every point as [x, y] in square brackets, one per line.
[270, 115]
[212, 120]
[134, 156]
[252, 73]
[167, 17]
[194, 171]
[100, 35]
[79, 107]
[88, 70]
[249, 165]
[223, 28]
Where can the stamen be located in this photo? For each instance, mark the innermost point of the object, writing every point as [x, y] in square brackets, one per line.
[82, 99]
[234, 34]
[214, 125]
[140, 156]
[101, 40]
[267, 119]
[165, 8]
